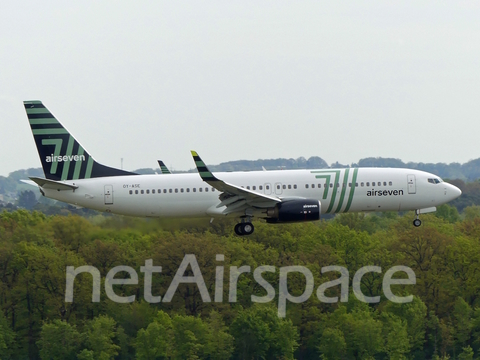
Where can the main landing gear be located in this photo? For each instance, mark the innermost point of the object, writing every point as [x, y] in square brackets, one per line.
[417, 222]
[244, 228]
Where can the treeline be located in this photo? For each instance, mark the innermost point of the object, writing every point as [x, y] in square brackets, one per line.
[442, 321]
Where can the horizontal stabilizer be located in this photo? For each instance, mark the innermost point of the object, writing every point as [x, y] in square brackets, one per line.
[52, 184]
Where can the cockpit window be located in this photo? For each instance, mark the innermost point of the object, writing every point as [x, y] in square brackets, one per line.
[434, 181]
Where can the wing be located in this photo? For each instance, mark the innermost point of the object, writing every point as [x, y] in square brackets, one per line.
[234, 198]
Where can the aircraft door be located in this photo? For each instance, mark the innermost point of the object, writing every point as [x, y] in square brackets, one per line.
[108, 194]
[278, 188]
[268, 188]
[412, 185]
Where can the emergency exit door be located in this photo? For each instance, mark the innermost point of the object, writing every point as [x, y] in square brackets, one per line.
[108, 194]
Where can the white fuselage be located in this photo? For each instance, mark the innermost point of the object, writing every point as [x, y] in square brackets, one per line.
[187, 195]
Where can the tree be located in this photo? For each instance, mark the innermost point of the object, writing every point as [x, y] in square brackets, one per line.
[156, 341]
[59, 341]
[27, 199]
[259, 333]
[7, 339]
[99, 335]
[332, 344]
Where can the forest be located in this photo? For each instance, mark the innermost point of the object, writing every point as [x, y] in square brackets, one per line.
[442, 321]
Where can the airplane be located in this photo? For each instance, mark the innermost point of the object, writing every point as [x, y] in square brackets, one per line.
[277, 196]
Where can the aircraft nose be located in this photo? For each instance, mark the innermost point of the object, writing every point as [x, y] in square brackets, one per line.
[453, 192]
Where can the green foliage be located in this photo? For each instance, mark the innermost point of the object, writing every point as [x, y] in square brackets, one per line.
[448, 213]
[99, 338]
[259, 333]
[7, 339]
[58, 341]
[35, 322]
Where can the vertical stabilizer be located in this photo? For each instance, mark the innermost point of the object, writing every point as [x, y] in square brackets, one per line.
[62, 156]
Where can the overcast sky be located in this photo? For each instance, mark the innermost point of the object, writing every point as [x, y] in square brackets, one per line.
[148, 80]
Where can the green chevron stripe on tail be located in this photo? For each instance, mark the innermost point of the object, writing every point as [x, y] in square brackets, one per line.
[61, 155]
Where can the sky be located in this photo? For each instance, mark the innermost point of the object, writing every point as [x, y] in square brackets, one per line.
[233, 80]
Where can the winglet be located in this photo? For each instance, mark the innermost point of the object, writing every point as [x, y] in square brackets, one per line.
[205, 174]
[163, 167]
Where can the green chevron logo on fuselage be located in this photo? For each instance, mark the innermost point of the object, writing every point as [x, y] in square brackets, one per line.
[336, 185]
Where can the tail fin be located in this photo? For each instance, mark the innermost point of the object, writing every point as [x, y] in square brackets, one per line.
[62, 157]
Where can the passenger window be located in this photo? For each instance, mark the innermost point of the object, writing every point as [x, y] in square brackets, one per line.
[181, 190]
[188, 189]
[170, 191]
[254, 187]
[148, 191]
[278, 187]
[362, 184]
[267, 187]
[356, 184]
[248, 187]
[390, 183]
[319, 186]
[313, 186]
[349, 184]
[384, 183]
[136, 192]
[194, 189]
[159, 191]
[213, 189]
[153, 191]
[164, 191]
[295, 186]
[306, 186]
[200, 189]
[373, 183]
[130, 192]
[206, 189]
[331, 185]
[260, 187]
[142, 192]
[368, 184]
[176, 190]
[289, 187]
[284, 187]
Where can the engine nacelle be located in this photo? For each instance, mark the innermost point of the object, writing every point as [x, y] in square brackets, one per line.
[295, 211]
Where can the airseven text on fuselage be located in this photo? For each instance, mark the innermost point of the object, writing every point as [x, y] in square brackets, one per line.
[384, 192]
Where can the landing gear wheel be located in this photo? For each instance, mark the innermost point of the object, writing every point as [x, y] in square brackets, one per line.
[244, 228]
[417, 222]
[238, 229]
[247, 228]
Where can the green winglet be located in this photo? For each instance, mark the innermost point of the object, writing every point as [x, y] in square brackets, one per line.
[163, 167]
[205, 174]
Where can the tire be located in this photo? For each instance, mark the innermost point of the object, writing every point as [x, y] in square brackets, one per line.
[247, 228]
[238, 229]
[417, 222]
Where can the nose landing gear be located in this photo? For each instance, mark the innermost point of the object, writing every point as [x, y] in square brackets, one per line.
[417, 222]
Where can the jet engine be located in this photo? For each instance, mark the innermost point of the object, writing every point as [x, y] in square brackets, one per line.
[295, 211]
